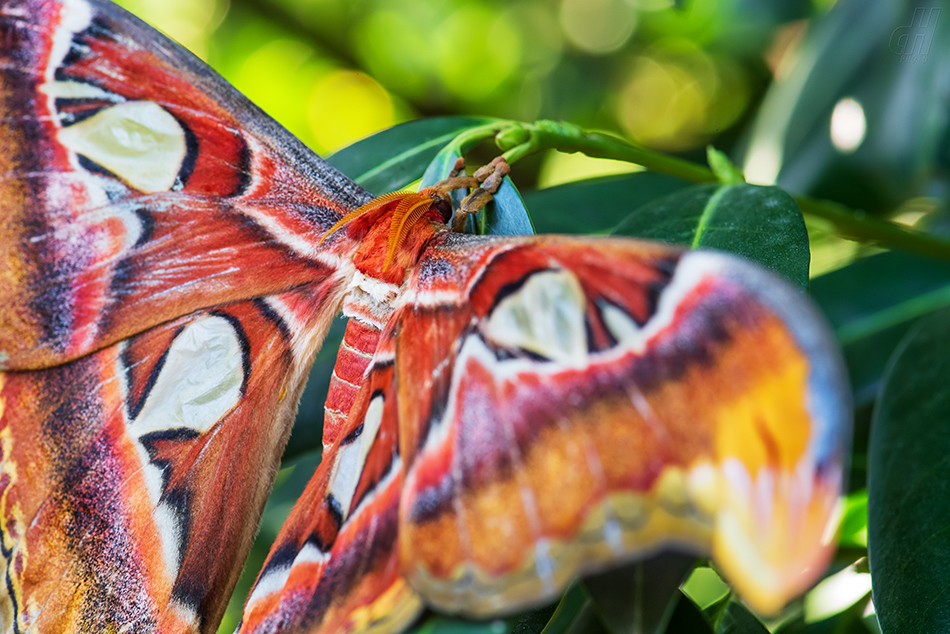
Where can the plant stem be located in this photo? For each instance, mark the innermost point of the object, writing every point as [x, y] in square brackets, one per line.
[857, 225]
[470, 137]
[852, 224]
[570, 138]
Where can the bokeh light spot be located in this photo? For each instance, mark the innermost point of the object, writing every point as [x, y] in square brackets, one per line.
[189, 22]
[678, 99]
[559, 168]
[597, 26]
[836, 594]
[477, 50]
[848, 125]
[395, 47]
[277, 76]
[345, 106]
[763, 163]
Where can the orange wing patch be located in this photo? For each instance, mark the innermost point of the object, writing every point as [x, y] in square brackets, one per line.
[706, 415]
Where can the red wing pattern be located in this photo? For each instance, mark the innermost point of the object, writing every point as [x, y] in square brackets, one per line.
[133, 477]
[138, 186]
[505, 414]
[565, 404]
[334, 567]
[161, 276]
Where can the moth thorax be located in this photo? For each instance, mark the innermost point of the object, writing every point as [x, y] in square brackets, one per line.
[370, 300]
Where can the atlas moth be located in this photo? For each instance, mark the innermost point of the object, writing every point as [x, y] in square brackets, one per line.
[505, 413]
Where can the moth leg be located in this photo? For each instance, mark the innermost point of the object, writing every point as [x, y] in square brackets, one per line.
[491, 175]
[455, 181]
[489, 178]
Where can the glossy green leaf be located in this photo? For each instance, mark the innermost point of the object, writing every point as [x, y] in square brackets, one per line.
[863, 51]
[534, 621]
[763, 224]
[391, 159]
[687, 618]
[571, 615]
[850, 621]
[704, 586]
[909, 483]
[506, 215]
[728, 616]
[557, 618]
[596, 205]
[871, 304]
[639, 598]
[441, 165]
[574, 613]
[585, 622]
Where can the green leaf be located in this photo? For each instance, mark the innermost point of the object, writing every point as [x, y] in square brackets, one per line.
[687, 618]
[856, 50]
[534, 621]
[872, 303]
[391, 159]
[728, 616]
[909, 483]
[850, 621]
[444, 160]
[763, 224]
[441, 166]
[507, 214]
[639, 598]
[585, 622]
[598, 204]
[574, 613]
[853, 531]
[437, 624]
[571, 615]
[722, 167]
[557, 618]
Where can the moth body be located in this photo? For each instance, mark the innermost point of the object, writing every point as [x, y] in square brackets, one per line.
[505, 413]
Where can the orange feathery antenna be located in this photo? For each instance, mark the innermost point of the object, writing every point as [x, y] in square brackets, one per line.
[409, 210]
[372, 205]
[411, 206]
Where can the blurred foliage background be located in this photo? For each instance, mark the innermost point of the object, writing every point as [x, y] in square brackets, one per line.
[845, 100]
[760, 79]
[333, 71]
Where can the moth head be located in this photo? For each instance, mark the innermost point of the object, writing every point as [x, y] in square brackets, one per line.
[402, 210]
[442, 202]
